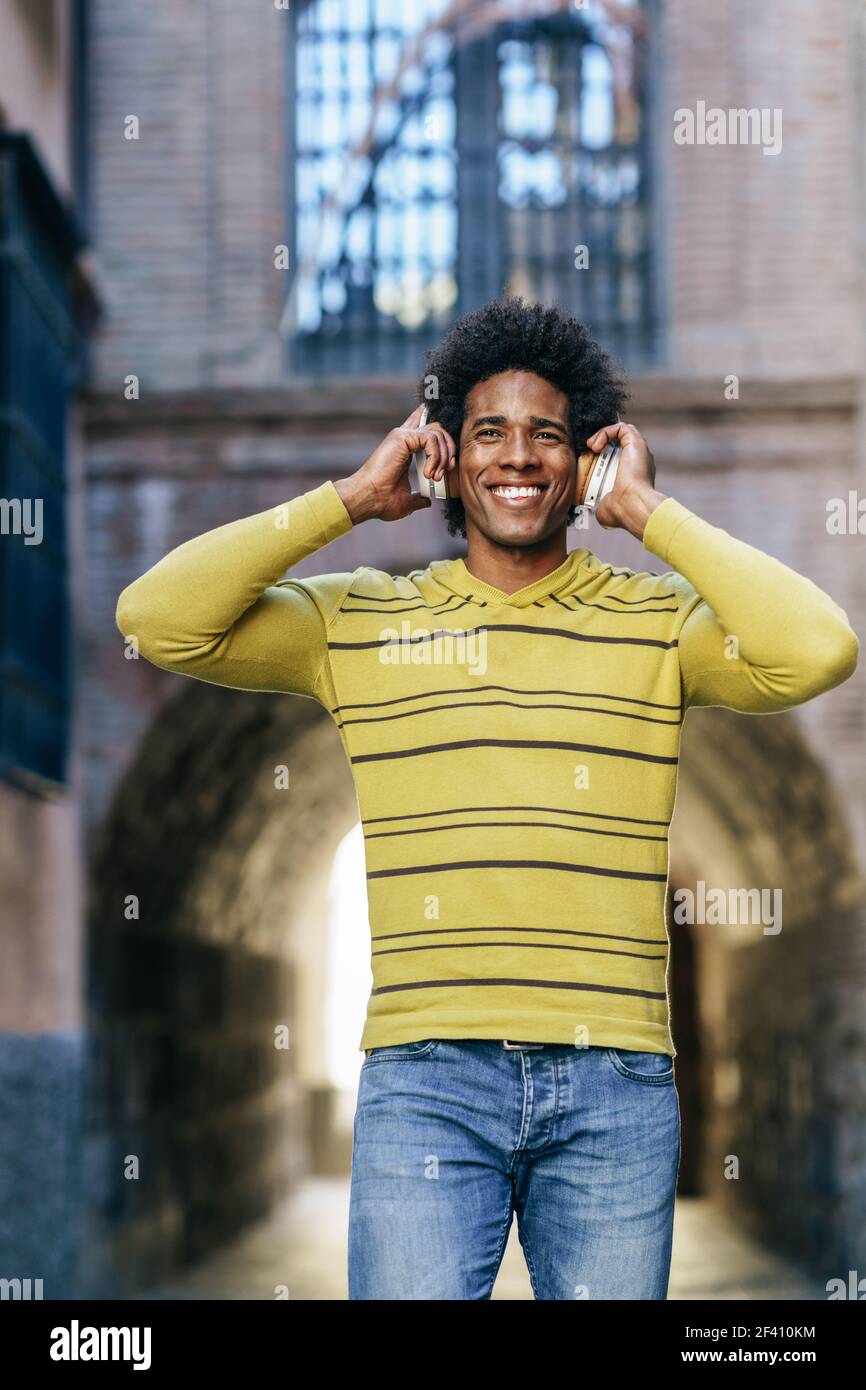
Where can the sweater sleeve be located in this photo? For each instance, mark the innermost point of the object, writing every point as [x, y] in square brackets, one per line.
[212, 607]
[756, 636]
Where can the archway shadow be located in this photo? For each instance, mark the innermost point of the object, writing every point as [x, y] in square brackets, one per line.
[765, 1005]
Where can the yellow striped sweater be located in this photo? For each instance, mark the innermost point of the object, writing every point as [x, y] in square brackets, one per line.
[514, 755]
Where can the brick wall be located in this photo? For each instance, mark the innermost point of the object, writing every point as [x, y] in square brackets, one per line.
[765, 252]
[186, 217]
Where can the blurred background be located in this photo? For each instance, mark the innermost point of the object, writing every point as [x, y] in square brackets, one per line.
[228, 233]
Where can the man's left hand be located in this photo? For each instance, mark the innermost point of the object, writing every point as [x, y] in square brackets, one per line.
[634, 496]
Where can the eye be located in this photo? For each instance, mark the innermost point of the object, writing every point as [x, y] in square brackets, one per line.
[488, 429]
[549, 434]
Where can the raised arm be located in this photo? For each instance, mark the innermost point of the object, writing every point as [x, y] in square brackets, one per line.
[757, 636]
[215, 607]
[212, 608]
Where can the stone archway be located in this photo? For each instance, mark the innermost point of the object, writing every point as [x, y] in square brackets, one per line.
[229, 870]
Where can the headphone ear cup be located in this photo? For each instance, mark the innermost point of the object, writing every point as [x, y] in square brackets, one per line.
[450, 482]
[436, 490]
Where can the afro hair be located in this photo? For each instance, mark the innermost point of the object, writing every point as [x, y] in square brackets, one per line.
[511, 335]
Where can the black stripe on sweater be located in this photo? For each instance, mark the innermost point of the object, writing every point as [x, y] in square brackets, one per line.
[510, 704]
[652, 598]
[511, 945]
[554, 864]
[511, 824]
[547, 931]
[525, 984]
[449, 607]
[424, 749]
[552, 810]
[523, 628]
[440, 607]
[506, 689]
[635, 613]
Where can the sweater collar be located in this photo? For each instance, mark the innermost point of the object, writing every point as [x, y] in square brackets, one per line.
[565, 579]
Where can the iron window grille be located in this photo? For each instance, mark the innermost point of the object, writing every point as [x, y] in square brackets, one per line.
[447, 153]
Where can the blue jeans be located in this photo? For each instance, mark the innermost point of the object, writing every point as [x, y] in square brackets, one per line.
[452, 1138]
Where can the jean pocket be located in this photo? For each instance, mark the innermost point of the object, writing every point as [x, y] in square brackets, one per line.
[653, 1068]
[401, 1052]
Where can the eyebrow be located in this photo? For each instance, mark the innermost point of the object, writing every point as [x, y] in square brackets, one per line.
[535, 420]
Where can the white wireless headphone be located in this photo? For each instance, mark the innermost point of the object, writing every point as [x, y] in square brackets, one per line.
[602, 477]
[428, 487]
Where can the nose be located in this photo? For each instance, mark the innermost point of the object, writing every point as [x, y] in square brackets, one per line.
[519, 451]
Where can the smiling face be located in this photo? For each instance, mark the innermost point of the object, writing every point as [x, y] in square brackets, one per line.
[517, 463]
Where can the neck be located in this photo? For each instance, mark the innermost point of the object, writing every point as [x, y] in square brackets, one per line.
[512, 567]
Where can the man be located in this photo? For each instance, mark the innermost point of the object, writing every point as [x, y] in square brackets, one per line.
[513, 722]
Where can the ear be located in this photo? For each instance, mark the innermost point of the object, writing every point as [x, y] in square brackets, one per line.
[452, 478]
[585, 464]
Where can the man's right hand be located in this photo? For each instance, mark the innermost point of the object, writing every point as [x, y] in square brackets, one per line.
[381, 487]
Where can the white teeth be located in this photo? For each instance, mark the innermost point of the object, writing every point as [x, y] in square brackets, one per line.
[516, 491]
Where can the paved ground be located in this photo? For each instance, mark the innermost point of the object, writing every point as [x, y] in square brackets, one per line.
[303, 1246]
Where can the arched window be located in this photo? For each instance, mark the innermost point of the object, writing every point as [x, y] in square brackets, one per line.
[447, 152]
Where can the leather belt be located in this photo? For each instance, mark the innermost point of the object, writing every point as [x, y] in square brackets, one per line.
[503, 1042]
